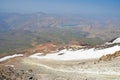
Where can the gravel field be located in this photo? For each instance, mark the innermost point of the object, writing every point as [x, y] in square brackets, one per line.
[70, 70]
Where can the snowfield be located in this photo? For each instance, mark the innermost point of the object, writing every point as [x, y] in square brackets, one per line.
[117, 40]
[78, 54]
[73, 55]
[9, 57]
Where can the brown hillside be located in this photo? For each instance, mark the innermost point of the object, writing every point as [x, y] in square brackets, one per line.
[110, 56]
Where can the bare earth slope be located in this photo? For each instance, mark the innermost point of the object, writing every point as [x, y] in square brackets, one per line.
[40, 67]
[67, 70]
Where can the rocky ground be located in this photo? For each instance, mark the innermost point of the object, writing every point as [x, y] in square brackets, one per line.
[26, 68]
[11, 73]
[34, 69]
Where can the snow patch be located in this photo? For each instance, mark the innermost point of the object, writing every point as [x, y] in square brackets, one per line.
[78, 54]
[9, 57]
[117, 40]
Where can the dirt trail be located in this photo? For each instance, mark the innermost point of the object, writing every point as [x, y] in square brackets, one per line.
[99, 71]
[72, 69]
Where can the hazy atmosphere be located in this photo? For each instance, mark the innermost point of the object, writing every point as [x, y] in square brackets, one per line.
[59, 39]
[94, 7]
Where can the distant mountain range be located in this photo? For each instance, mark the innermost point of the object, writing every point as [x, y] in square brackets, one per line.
[18, 31]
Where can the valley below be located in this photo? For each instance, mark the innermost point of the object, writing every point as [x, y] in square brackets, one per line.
[41, 46]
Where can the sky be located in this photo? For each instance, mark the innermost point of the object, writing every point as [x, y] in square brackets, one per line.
[93, 7]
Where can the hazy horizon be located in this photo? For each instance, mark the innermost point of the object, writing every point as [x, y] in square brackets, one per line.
[88, 7]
